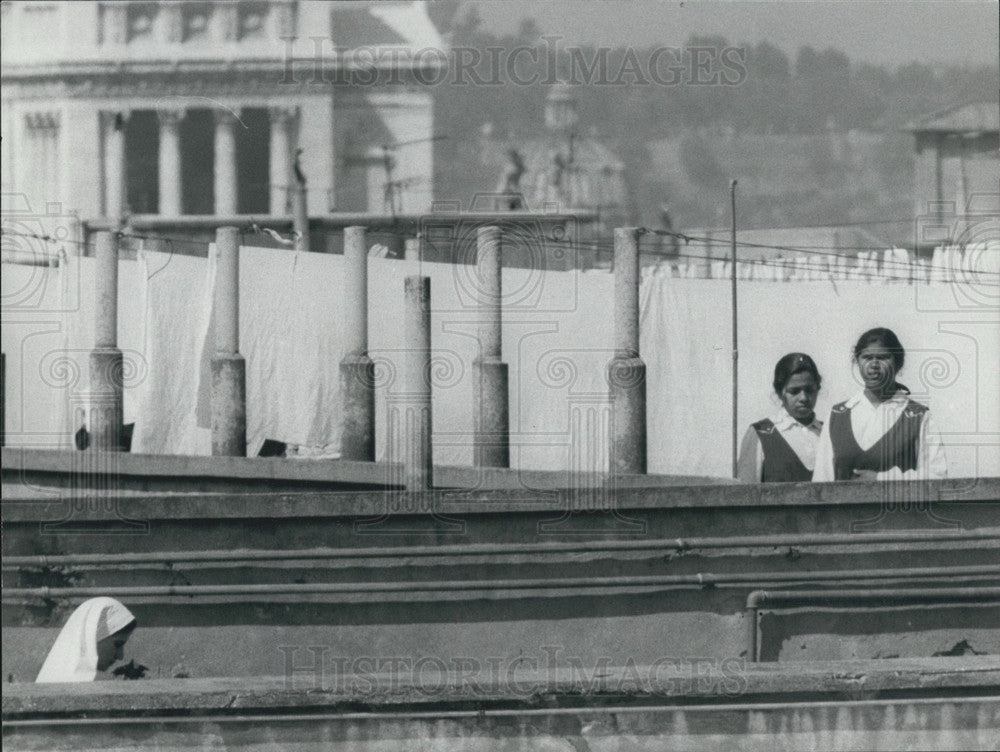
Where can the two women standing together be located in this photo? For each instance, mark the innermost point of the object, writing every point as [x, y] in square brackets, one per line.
[877, 434]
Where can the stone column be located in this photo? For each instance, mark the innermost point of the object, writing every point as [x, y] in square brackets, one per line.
[106, 365]
[491, 438]
[627, 372]
[418, 458]
[281, 158]
[170, 162]
[115, 195]
[229, 404]
[225, 163]
[357, 372]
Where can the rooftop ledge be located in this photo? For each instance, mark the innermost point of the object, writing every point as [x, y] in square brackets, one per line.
[682, 683]
[37, 483]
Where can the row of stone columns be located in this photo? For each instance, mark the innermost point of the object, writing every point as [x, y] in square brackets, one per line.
[491, 437]
[225, 176]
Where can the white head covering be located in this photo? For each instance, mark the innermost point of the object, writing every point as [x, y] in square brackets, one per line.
[73, 657]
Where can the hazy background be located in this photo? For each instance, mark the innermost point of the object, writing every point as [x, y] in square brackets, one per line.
[885, 32]
[816, 134]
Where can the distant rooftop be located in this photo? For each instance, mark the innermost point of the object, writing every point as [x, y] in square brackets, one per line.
[973, 117]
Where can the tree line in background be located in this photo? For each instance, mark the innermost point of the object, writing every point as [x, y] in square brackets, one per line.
[811, 97]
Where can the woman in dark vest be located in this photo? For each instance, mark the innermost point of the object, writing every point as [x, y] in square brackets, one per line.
[880, 433]
[783, 447]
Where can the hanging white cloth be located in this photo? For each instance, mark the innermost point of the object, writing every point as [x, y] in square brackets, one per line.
[73, 657]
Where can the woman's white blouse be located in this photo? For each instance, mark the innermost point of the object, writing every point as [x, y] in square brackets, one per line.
[802, 439]
[870, 423]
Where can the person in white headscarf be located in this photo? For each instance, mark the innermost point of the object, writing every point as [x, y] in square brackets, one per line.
[92, 640]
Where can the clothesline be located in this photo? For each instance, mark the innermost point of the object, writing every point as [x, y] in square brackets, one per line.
[974, 263]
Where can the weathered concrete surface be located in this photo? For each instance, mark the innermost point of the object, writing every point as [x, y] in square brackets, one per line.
[229, 406]
[158, 473]
[491, 414]
[357, 389]
[873, 705]
[104, 403]
[615, 615]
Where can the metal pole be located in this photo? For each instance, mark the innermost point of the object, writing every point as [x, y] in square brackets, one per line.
[736, 351]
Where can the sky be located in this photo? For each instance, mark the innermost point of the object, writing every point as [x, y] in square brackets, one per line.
[886, 32]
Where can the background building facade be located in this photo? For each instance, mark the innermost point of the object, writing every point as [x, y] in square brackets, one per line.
[176, 108]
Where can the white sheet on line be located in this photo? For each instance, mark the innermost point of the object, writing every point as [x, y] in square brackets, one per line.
[176, 325]
[557, 341]
[48, 334]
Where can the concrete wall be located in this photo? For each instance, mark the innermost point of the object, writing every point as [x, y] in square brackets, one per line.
[581, 607]
[935, 704]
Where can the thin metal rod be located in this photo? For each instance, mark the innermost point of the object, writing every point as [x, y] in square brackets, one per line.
[736, 351]
[760, 598]
[547, 583]
[488, 549]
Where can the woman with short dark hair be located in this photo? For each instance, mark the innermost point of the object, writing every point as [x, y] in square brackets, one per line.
[880, 433]
[783, 447]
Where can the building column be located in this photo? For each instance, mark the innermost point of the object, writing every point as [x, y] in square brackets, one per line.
[357, 372]
[491, 438]
[418, 462]
[115, 196]
[106, 365]
[229, 404]
[627, 372]
[225, 162]
[170, 162]
[282, 119]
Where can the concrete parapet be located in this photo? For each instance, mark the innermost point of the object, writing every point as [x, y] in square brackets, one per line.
[874, 705]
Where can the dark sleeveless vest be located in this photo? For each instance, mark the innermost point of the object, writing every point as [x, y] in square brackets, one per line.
[898, 447]
[781, 463]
